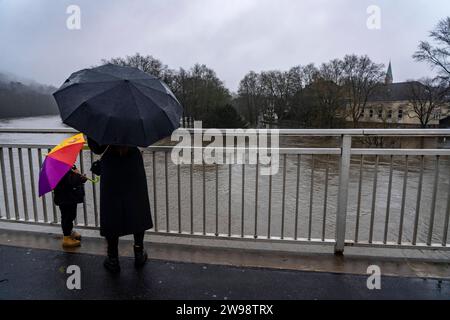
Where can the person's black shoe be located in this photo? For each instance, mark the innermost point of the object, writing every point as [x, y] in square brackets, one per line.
[112, 264]
[140, 256]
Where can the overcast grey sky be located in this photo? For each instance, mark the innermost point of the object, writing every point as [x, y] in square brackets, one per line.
[230, 36]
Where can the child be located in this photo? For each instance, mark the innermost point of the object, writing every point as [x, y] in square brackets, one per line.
[68, 193]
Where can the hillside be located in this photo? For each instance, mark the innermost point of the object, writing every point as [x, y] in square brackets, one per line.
[20, 98]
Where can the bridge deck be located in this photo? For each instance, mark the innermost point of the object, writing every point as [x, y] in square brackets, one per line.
[32, 267]
[37, 274]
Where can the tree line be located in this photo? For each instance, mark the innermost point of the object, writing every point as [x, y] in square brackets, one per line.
[328, 95]
[203, 95]
[312, 96]
[18, 99]
[308, 94]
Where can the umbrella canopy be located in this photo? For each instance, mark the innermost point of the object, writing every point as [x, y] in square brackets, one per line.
[58, 162]
[118, 105]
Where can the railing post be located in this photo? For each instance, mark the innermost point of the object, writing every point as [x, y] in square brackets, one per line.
[344, 174]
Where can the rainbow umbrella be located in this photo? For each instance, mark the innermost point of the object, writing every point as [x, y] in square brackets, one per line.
[58, 162]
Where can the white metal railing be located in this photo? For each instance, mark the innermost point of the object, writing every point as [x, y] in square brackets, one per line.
[341, 195]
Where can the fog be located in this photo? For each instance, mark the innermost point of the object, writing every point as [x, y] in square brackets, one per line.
[24, 97]
[232, 37]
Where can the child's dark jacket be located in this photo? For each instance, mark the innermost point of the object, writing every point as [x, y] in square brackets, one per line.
[70, 190]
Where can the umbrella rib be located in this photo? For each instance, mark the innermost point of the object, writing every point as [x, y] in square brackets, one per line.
[86, 71]
[96, 71]
[78, 83]
[160, 92]
[162, 110]
[150, 98]
[151, 88]
[139, 112]
[108, 118]
[87, 100]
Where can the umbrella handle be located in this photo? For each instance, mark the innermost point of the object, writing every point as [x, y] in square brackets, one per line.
[95, 180]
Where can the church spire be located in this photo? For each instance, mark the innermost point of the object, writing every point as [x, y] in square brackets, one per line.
[389, 78]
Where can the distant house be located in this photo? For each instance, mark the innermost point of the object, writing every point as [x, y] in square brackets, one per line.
[390, 105]
[445, 122]
[268, 116]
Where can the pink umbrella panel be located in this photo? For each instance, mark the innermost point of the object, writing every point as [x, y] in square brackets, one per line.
[52, 172]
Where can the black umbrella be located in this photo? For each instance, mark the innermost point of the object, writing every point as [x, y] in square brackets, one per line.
[118, 105]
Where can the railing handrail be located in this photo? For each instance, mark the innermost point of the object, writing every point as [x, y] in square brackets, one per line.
[289, 150]
[368, 159]
[301, 132]
[37, 130]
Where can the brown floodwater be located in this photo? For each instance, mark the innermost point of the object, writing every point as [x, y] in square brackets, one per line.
[305, 212]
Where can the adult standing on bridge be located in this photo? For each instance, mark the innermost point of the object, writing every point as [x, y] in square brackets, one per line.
[124, 203]
[120, 108]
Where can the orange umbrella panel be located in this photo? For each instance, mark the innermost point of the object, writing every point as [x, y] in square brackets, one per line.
[58, 162]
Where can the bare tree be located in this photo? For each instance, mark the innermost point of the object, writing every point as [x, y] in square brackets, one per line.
[249, 96]
[274, 92]
[309, 74]
[427, 97]
[275, 88]
[200, 91]
[437, 55]
[147, 63]
[295, 79]
[328, 91]
[309, 96]
[361, 77]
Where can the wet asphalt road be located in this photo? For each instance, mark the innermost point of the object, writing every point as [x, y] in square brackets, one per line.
[40, 274]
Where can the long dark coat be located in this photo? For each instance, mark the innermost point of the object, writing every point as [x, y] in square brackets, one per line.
[124, 202]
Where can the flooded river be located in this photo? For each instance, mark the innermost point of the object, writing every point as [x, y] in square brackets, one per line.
[306, 212]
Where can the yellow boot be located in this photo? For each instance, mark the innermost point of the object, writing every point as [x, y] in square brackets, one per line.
[69, 242]
[75, 235]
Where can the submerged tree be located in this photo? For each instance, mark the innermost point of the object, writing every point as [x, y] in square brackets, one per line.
[200, 91]
[271, 94]
[224, 117]
[248, 99]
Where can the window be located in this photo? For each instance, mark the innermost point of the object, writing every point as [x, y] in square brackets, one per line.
[389, 114]
[370, 113]
[380, 112]
[436, 115]
[400, 114]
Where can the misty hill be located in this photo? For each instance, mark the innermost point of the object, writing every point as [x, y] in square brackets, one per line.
[25, 98]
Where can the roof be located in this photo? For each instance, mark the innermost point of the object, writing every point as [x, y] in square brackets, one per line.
[399, 91]
[389, 77]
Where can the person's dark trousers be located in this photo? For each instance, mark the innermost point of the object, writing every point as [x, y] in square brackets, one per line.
[68, 215]
[113, 244]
